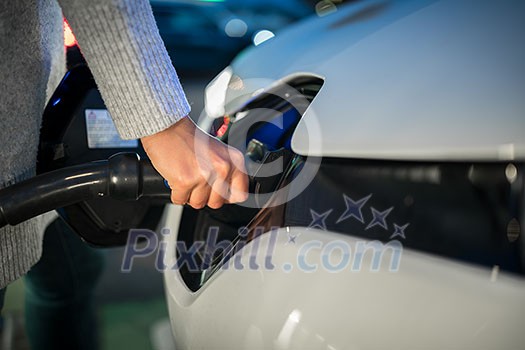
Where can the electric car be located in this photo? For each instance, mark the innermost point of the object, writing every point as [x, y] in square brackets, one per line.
[386, 142]
[385, 148]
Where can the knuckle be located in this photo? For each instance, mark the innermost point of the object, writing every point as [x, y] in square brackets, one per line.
[237, 156]
[185, 181]
[205, 173]
[223, 169]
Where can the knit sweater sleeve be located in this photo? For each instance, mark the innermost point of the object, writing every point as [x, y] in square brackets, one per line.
[121, 43]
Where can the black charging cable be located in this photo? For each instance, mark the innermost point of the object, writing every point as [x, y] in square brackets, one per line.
[123, 176]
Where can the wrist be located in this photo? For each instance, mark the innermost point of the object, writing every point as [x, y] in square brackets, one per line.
[180, 128]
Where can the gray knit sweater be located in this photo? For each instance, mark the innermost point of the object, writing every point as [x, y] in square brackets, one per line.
[122, 46]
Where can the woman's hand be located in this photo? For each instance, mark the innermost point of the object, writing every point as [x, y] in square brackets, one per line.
[200, 169]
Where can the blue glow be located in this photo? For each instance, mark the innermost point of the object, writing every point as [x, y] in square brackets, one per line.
[57, 101]
[274, 134]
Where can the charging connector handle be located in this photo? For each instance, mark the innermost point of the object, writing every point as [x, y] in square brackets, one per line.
[123, 176]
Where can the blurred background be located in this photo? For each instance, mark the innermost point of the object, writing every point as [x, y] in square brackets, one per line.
[202, 37]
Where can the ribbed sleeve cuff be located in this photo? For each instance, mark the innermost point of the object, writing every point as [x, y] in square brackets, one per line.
[20, 248]
[131, 66]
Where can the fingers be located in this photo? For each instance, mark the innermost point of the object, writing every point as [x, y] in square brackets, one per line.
[202, 170]
[210, 187]
[219, 194]
[238, 186]
[199, 197]
[180, 195]
[231, 183]
[191, 187]
[225, 183]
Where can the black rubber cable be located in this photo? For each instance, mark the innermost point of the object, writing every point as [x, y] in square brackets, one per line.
[123, 176]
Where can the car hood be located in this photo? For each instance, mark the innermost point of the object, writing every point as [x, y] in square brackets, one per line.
[413, 80]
